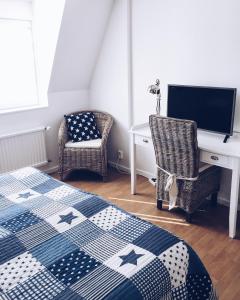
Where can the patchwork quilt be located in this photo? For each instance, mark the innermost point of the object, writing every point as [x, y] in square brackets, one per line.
[60, 243]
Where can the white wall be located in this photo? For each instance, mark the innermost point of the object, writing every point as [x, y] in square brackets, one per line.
[183, 42]
[109, 86]
[82, 30]
[59, 104]
[47, 17]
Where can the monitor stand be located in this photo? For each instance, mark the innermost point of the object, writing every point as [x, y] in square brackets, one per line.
[226, 138]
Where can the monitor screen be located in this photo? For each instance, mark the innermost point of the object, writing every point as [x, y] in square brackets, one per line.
[212, 108]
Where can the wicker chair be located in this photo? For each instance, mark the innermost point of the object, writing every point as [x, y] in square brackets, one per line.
[93, 159]
[176, 150]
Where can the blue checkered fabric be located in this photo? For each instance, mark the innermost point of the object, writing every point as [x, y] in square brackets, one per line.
[60, 243]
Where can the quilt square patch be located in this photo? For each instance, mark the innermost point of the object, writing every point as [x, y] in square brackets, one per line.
[11, 186]
[74, 198]
[91, 206]
[108, 244]
[156, 240]
[24, 172]
[66, 219]
[180, 293]
[130, 229]
[108, 218]
[130, 260]
[98, 284]
[4, 232]
[21, 222]
[35, 203]
[60, 192]
[68, 294]
[24, 195]
[10, 247]
[41, 286]
[73, 267]
[176, 259]
[126, 291]
[34, 179]
[53, 249]
[17, 270]
[42, 232]
[47, 186]
[199, 286]
[50, 208]
[153, 280]
[83, 233]
[11, 212]
[5, 203]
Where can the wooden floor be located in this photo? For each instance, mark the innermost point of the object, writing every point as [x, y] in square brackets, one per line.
[208, 236]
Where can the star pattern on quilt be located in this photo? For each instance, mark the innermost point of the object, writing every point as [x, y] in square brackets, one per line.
[130, 258]
[57, 242]
[67, 218]
[25, 195]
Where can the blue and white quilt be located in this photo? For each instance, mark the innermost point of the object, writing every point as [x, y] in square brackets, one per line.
[60, 243]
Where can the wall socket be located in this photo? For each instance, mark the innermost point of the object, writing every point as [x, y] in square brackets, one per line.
[120, 154]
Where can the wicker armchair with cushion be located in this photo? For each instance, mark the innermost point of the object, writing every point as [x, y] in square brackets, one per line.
[176, 150]
[90, 155]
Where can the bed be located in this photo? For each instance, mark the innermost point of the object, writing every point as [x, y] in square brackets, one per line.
[60, 243]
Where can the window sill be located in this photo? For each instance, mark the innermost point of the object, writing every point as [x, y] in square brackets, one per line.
[22, 109]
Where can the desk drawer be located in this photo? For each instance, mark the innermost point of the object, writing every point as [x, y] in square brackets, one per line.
[143, 141]
[214, 159]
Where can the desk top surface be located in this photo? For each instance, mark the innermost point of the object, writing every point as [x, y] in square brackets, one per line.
[206, 140]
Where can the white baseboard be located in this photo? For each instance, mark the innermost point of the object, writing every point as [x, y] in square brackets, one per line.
[119, 166]
[127, 169]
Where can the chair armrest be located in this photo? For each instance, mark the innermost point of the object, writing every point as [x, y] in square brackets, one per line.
[62, 134]
[106, 131]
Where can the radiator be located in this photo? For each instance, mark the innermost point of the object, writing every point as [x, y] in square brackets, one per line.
[23, 149]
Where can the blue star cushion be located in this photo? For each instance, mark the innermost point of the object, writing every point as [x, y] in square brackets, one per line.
[82, 127]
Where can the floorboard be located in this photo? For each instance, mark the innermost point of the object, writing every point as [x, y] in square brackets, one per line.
[208, 235]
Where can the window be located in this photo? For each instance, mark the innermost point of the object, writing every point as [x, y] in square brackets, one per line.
[18, 83]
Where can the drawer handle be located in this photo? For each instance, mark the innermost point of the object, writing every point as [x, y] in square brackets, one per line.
[214, 157]
[145, 141]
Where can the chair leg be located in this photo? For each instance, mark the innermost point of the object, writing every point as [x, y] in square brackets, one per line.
[61, 176]
[188, 217]
[214, 199]
[159, 204]
[104, 178]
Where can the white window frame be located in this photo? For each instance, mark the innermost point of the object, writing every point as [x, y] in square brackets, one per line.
[39, 104]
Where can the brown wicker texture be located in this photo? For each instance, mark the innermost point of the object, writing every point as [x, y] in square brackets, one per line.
[176, 150]
[93, 159]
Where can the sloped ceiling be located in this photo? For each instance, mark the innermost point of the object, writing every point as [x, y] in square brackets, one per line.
[79, 43]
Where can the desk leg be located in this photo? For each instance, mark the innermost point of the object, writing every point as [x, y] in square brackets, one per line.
[234, 199]
[133, 165]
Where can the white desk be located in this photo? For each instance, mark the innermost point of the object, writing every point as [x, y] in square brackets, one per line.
[212, 151]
